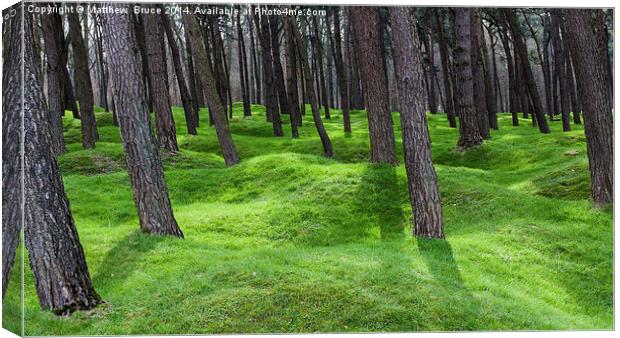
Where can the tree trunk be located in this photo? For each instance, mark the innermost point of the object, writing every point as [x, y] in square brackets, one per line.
[355, 90]
[12, 133]
[421, 176]
[103, 90]
[560, 68]
[291, 79]
[597, 103]
[469, 130]
[445, 70]
[83, 83]
[229, 151]
[166, 130]
[489, 93]
[527, 70]
[244, 81]
[194, 83]
[178, 69]
[256, 73]
[262, 29]
[365, 23]
[341, 73]
[302, 51]
[477, 66]
[512, 96]
[56, 256]
[322, 81]
[141, 152]
[51, 36]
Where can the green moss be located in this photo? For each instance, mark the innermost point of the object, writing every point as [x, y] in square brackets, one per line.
[289, 241]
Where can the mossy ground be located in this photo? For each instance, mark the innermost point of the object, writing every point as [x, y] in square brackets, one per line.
[289, 241]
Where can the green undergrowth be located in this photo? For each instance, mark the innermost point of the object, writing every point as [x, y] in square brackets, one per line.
[289, 241]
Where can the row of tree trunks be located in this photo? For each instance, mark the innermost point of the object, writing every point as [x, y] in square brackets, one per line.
[445, 69]
[290, 50]
[243, 69]
[341, 73]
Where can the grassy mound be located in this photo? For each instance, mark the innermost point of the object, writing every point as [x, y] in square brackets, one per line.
[289, 241]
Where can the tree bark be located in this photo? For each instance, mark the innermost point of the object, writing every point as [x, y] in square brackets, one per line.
[227, 145]
[421, 176]
[512, 95]
[51, 37]
[62, 280]
[597, 103]
[144, 164]
[291, 79]
[365, 23]
[469, 130]
[83, 83]
[12, 134]
[256, 72]
[302, 51]
[356, 96]
[322, 81]
[178, 69]
[194, 83]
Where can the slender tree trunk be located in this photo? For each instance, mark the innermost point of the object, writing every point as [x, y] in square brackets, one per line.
[190, 115]
[257, 81]
[447, 84]
[421, 176]
[527, 70]
[341, 73]
[302, 51]
[322, 81]
[291, 79]
[477, 66]
[247, 111]
[597, 103]
[56, 256]
[355, 90]
[166, 130]
[469, 130]
[222, 129]
[365, 23]
[52, 46]
[560, 68]
[511, 77]
[489, 93]
[194, 83]
[277, 66]
[144, 165]
[83, 83]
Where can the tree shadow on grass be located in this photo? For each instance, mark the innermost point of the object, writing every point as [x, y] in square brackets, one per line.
[123, 259]
[379, 200]
[464, 308]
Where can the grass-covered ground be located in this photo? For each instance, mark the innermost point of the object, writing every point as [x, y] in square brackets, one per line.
[289, 241]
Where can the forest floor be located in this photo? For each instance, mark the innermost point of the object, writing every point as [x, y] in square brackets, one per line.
[289, 241]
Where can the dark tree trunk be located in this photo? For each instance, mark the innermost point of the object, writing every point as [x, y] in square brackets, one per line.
[256, 73]
[356, 96]
[83, 83]
[469, 131]
[103, 88]
[527, 70]
[572, 86]
[322, 82]
[190, 115]
[477, 66]
[262, 29]
[229, 151]
[277, 66]
[597, 103]
[144, 165]
[12, 120]
[141, 43]
[302, 51]
[427, 38]
[56, 256]
[341, 73]
[166, 130]
[247, 111]
[69, 96]
[365, 23]
[291, 79]
[194, 83]
[512, 96]
[219, 60]
[543, 65]
[489, 93]
[445, 69]
[560, 68]
[421, 176]
[52, 39]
